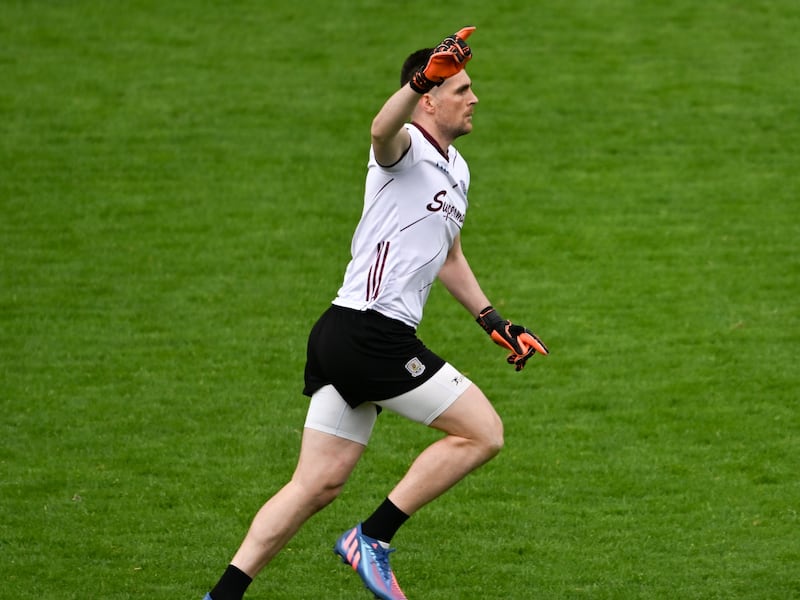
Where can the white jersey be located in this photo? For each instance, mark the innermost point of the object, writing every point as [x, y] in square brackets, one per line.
[413, 212]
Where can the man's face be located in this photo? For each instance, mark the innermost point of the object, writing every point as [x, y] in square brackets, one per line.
[454, 101]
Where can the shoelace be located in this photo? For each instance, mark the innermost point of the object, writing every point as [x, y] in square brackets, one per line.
[382, 558]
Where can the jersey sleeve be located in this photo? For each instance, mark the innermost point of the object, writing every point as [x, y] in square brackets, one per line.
[409, 158]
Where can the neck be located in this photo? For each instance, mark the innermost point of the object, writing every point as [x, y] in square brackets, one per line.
[431, 135]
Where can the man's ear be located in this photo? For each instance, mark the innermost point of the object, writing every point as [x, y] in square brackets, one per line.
[427, 103]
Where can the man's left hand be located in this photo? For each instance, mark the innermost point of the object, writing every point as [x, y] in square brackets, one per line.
[522, 342]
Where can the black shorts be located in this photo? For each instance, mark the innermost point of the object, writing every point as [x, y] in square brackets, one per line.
[366, 356]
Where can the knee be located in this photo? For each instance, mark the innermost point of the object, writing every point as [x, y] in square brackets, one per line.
[325, 496]
[488, 441]
[319, 491]
[494, 440]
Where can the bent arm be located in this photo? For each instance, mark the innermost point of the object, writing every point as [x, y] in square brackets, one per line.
[390, 140]
[460, 281]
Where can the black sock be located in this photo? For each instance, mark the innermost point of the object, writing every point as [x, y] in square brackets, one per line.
[384, 522]
[231, 585]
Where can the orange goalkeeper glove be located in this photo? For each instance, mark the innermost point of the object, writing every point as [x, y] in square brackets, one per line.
[447, 59]
[522, 342]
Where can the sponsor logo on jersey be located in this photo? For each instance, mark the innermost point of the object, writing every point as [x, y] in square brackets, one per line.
[449, 211]
[415, 367]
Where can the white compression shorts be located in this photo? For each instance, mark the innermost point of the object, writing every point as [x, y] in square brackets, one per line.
[328, 412]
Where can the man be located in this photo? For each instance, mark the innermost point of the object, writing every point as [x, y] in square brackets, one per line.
[363, 353]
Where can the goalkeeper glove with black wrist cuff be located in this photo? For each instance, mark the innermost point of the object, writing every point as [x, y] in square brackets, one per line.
[521, 342]
[447, 59]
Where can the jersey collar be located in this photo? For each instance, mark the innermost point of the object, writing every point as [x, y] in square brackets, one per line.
[431, 139]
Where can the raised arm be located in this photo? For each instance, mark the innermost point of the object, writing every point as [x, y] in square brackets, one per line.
[390, 140]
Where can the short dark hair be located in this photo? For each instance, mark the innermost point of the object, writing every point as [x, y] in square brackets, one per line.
[414, 62]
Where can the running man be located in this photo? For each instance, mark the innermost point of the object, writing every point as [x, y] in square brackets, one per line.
[363, 353]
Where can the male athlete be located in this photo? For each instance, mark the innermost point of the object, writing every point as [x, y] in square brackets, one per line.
[363, 353]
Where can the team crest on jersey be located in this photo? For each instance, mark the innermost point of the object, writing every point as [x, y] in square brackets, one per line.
[415, 367]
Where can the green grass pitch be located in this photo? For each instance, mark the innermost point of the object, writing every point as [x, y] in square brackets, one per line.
[179, 181]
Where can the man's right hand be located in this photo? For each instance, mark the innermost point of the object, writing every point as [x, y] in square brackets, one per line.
[448, 59]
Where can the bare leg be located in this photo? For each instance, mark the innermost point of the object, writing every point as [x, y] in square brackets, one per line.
[474, 436]
[324, 465]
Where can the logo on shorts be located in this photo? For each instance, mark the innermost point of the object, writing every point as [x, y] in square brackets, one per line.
[415, 367]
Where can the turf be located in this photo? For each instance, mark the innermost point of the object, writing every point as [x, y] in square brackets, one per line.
[178, 185]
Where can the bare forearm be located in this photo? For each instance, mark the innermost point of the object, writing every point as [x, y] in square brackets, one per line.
[457, 276]
[395, 112]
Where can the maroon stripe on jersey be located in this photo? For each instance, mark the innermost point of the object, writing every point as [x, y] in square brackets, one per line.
[383, 264]
[417, 221]
[383, 187]
[375, 275]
